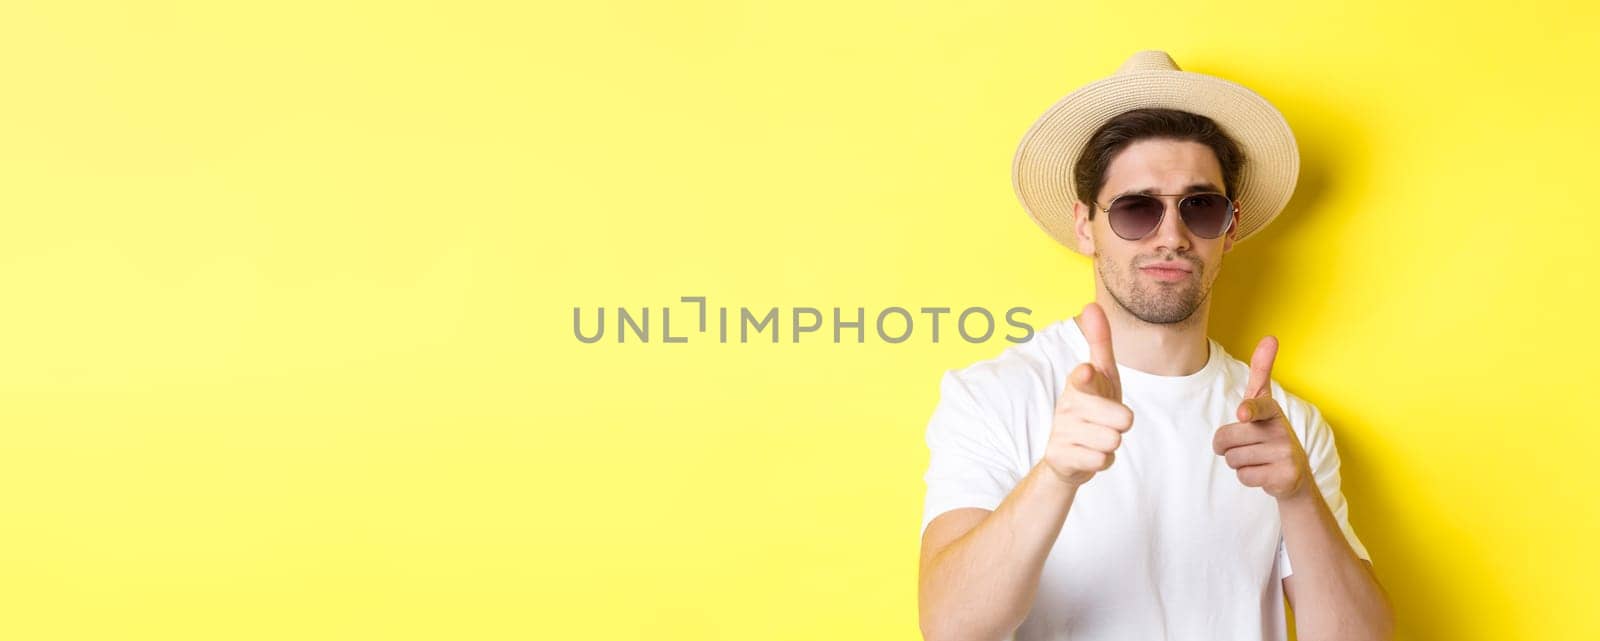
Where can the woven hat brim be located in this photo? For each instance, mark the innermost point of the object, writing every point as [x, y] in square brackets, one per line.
[1041, 171]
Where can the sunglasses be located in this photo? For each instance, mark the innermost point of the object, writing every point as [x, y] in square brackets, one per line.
[1133, 216]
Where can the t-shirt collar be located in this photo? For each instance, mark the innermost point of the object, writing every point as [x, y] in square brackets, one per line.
[1145, 381]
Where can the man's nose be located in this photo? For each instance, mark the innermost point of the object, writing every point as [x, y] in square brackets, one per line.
[1172, 233]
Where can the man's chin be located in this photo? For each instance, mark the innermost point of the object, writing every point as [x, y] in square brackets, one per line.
[1166, 316]
[1188, 279]
[1163, 307]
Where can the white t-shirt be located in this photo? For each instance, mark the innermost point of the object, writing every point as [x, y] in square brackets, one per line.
[1166, 543]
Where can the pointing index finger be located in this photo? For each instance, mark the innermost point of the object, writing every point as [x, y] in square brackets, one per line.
[1261, 368]
[1097, 331]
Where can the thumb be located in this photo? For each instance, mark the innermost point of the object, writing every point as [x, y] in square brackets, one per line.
[1080, 380]
[1261, 368]
[1084, 379]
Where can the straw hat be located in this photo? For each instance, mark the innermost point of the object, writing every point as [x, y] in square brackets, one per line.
[1042, 170]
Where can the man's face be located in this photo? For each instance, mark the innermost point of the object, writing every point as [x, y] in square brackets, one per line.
[1129, 268]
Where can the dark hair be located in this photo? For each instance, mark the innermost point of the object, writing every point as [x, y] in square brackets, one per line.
[1089, 175]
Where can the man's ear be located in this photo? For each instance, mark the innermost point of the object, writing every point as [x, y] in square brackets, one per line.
[1081, 228]
[1233, 233]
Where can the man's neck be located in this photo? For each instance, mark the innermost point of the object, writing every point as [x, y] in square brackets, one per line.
[1175, 349]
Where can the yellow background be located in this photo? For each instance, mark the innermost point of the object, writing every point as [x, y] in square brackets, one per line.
[287, 345]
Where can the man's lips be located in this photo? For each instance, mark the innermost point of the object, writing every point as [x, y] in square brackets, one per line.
[1167, 271]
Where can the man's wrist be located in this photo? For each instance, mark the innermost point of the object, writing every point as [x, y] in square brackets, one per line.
[1305, 496]
[1054, 478]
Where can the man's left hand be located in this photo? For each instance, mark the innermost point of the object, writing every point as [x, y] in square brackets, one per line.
[1262, 448]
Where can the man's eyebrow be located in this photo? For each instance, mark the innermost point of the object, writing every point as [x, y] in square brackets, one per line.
[1194, 188]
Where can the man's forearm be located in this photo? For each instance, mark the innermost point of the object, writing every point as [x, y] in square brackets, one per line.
[1336, 595]
[982, 585]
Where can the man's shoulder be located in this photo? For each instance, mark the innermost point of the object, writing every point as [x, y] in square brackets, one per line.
[1021, 369]
[1237, 373]
[1303, 415]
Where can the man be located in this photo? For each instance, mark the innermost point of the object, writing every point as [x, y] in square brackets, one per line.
[1121, 476]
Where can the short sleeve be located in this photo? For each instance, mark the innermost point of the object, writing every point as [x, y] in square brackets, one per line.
[1317, 438]
[969, 464]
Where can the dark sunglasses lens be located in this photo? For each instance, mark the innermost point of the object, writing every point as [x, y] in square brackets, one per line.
[1207, 215]
[1132, 217]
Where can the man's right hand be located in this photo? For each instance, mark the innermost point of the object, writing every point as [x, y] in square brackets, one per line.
[1090, 418]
